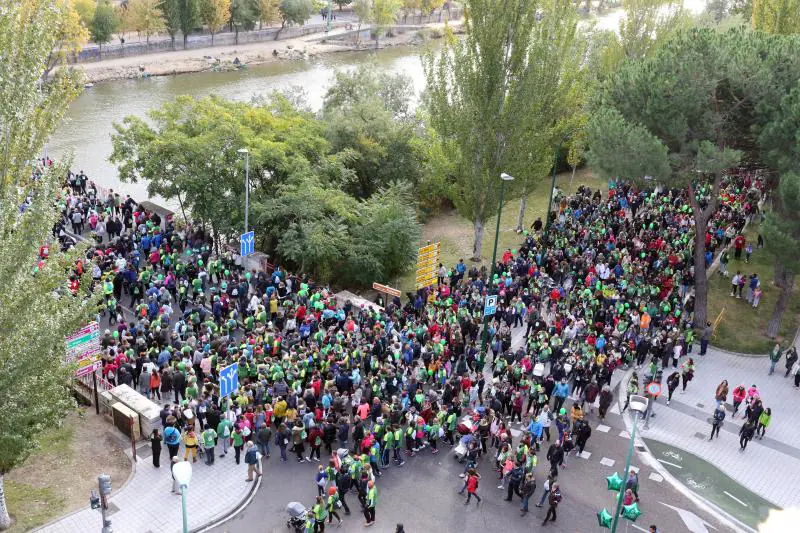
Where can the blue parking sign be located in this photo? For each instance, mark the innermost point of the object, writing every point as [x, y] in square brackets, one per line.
[228, 380]
[247, 243]
[490, 307]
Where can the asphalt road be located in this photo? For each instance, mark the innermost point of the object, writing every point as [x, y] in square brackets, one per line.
[423, 495]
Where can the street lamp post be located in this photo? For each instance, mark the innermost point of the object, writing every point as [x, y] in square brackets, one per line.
[182, 471]
[246, 153]
[638, 405]
[504, 178]
[330, 16]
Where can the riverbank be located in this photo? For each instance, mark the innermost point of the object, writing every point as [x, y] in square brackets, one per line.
[223, 57]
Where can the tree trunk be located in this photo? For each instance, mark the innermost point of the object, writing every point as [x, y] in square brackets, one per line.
[569, 191]
[5, 519]
[700, 277]
[477, 245]
[212, 38]
[100, 50]
[185, 40]
[784, 279]
[236, 36]
[522, 204]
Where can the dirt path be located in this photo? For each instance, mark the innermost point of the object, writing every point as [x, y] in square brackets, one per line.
[58, 478]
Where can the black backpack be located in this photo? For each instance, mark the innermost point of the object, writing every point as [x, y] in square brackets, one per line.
[250, 457]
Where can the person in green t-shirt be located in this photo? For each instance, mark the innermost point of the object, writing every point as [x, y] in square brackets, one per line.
[320, 513]
[209, 438]
[372, 501]
[224, 429]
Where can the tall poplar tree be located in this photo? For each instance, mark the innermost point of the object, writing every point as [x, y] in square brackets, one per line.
[488, 96]
[37, 309]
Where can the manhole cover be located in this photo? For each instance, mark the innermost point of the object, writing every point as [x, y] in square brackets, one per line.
[144, 451]
[700, 436]
[701, 406]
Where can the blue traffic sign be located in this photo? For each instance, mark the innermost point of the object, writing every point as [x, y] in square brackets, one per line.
[247, 243]
[228, 380]
[490, 307]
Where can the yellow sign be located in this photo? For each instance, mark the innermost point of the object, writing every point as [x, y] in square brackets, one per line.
[427, 263]
[429, 248]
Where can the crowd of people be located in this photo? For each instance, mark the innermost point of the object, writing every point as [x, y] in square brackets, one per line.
[605, 284]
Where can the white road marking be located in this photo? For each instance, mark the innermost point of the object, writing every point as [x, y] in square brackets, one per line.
[671, 464]
[735, 498]
[603, 429]
[607, 462]
[586, 455]
[694, 523]
[624, 434]
[658, 478]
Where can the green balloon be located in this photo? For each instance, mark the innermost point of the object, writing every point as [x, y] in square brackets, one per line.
[514, 251]
[604, 518]
[614, 482]
[631, 512]
[525, 232]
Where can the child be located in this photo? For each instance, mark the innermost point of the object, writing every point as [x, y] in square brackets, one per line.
[735, 282]
[748, 251]
[756, 296]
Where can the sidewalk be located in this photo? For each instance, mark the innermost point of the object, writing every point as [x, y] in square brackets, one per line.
[145, 503]
[768, 467]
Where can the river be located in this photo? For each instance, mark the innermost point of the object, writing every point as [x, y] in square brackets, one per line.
[86, 132]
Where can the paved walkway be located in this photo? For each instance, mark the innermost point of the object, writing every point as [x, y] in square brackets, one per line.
[147, 505]
[769, 467]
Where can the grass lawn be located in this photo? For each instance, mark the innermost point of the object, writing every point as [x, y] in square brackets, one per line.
[742, 328]
[456, 233]
[58, 476]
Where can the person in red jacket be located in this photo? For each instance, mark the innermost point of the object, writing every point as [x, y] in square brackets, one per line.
[472, 486]
[738, 246]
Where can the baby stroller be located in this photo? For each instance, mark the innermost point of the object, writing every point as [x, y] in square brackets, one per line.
[297, 517]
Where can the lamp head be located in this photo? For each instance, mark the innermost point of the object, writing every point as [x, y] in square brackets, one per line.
[638, 403]
[182, 470]
[506, 177]
[243, 151]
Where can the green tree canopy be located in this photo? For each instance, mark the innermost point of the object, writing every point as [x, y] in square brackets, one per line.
[650, 121]
[488, 96]
[188, 151]
[780, 145]
[296, 11]
[172, 18]
[366, 113]
[777, 16]
[104, 23]
[37, 309]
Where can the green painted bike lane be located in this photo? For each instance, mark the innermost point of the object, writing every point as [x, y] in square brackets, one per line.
[708, 482]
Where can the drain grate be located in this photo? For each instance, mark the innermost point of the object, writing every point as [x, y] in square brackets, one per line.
[700, 436]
